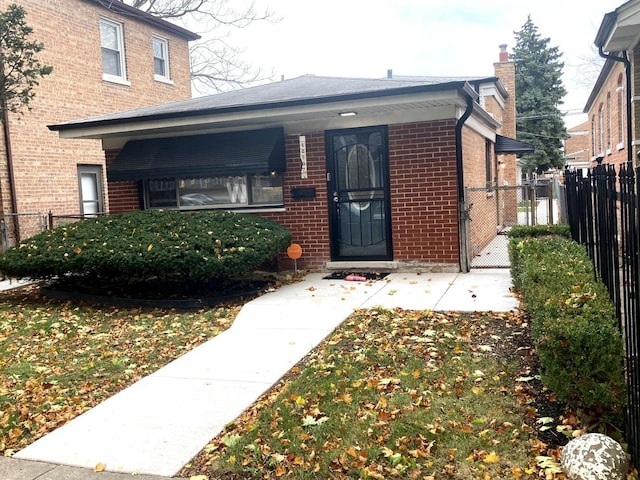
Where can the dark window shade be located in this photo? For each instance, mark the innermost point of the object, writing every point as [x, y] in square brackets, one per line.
[506, 145]
[234, 153]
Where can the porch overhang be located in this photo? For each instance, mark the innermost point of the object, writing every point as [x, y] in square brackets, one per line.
[510, 146]
[620, 29]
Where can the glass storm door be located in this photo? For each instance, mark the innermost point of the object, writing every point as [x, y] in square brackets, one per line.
[358, 189]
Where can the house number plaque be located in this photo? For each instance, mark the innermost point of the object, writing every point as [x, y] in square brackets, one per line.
[303, 155]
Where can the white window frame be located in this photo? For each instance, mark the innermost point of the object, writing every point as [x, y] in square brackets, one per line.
[94, 171]
[166, 78]
[621, 114]
[122, 78]
[601, 130]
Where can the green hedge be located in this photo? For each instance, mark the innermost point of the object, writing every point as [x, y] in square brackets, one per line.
[556, 229]
[572, 320]
[151, 243]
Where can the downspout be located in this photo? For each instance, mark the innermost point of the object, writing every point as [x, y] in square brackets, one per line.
[12, 188]
[627, 71]
[463, 209]
[9, 153]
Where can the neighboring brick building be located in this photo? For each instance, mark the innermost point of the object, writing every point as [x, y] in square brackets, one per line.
[577, 148]
[365, 173]
[106, 57]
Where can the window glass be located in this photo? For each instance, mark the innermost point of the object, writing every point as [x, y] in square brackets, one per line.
[90, 183]
[211, 192]
[160, 58]
[230, 190]
[488, 163]
[112, 49]
[621, 111]
[266, 189]
[161, 193]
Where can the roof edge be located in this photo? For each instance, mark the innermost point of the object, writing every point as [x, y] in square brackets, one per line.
[600, 81]
[124, 9]
[460, 85]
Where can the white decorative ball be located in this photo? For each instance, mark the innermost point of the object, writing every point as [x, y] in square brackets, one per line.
[594, 457]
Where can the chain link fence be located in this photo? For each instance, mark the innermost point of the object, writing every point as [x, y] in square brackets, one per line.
[493, 211]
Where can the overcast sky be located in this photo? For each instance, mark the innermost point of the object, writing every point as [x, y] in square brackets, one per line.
[365, 38]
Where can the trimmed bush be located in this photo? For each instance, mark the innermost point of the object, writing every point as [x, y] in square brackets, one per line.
[556, 229]
[151, 243]
[572, 321]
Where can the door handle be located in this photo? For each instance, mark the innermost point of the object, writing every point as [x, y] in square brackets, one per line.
[335, 197]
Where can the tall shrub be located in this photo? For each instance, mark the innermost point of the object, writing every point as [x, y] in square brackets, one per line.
[151, 243]
[573, 322]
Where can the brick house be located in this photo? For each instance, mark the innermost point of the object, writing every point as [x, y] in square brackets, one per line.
[106, 57]
[606, 110]
[365, 173]
[577, 148]
[612, 107]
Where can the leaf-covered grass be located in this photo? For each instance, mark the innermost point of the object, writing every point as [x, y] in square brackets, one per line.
[57, 360]
[391, 394]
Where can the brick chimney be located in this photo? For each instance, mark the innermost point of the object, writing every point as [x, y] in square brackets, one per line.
[504, 56]
[505, 70]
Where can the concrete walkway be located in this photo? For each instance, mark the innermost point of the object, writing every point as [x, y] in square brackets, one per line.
[158, 424]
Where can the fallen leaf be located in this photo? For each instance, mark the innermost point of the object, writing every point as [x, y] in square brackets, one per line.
[491, 458]
[99, 468]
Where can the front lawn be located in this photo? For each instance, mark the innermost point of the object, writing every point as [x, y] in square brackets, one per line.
[398, 393]
[389, 394]
[58, 360]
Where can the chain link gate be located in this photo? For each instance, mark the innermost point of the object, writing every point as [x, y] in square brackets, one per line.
[493, 211]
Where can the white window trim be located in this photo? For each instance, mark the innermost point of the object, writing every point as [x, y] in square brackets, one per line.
[96, 172]
[122, 80]
[162, 78]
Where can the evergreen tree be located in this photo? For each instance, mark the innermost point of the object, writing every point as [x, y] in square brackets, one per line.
[20, 70]
[539, 92]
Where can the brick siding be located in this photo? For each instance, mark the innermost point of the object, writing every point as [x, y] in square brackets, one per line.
[45, 167]
[607, 99]
[422, 170]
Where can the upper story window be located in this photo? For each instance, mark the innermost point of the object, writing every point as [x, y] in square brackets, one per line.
[608, 121]
[594, 152]
[161, 59]
[600, 130]
[621, 113]
[113, 59]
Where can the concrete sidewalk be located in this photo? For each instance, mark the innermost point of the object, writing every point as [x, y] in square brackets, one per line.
[158, 424]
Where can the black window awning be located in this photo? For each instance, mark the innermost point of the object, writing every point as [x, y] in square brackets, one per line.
[506, 145]
[196, 156]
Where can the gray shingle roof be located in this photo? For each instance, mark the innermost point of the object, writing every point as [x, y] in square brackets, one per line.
[306, 89]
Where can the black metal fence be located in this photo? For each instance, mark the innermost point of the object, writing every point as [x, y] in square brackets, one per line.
[603, 210]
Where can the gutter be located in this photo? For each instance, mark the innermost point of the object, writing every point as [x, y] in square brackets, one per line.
[604, 32]
[463, 209]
